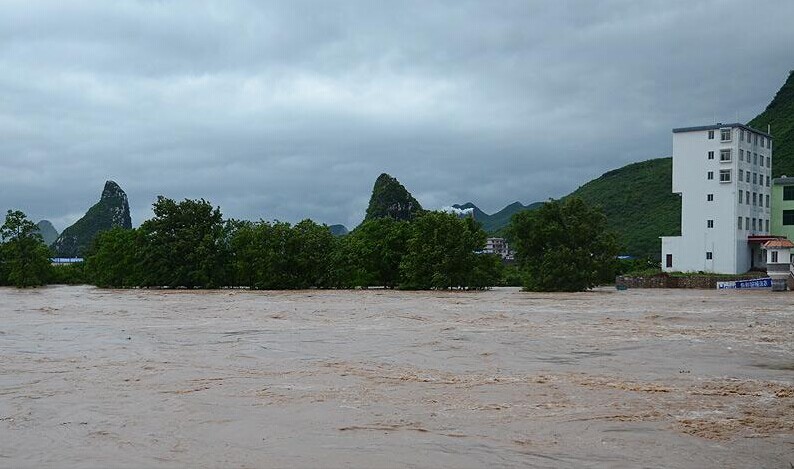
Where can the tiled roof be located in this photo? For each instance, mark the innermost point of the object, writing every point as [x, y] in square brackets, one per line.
[779, 243]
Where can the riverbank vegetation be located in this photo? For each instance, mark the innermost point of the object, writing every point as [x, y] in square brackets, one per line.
[562, 246]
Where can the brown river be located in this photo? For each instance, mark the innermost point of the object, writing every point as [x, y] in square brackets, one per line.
[604, 379]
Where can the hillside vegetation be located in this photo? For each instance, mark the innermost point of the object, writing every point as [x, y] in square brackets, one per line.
[779, 116]
[639, 204]
[390, 199]
[112, 210]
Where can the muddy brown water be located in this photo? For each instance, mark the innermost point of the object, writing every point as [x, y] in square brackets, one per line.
[641, 378]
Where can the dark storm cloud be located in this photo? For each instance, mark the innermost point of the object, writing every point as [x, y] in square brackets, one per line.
[291, 109]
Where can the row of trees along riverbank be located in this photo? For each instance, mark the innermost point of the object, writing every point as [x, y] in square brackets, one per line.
[562, 246]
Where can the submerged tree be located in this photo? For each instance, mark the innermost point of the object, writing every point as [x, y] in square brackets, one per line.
[371, 254]
[281, 256]
[113, 259]
[184, 245]
[441, 253]
[24, 258]
[564, 246]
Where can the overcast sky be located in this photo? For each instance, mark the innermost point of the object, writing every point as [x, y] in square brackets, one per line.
[291, 109]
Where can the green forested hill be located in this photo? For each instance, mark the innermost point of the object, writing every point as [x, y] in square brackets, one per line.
[112, 210]
[779, 116]
[639, 204]
[390, 199]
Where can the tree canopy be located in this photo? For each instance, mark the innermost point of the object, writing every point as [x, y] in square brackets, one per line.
[188, 244]
[24, 258]
[564, 246]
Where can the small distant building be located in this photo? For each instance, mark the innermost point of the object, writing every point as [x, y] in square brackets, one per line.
[723, 173]
[58, 261]
[498, 246]
[778, 262]
[783, 207]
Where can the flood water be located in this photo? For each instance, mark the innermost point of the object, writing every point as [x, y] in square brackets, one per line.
[641, 378]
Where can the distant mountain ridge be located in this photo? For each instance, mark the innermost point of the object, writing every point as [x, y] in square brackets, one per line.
[112, 210]
[48, 232]
[492, 223]
[338, 230]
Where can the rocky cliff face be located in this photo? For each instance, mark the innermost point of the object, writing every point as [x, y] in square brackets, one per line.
[390, 199]
[48, 232]
[111, 211]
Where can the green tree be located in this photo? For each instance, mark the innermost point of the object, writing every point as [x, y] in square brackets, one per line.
[441, 253]
[25, 257]
[282, 256]
[371, 254]
[184, 245]
[113, 259]
[564, 246]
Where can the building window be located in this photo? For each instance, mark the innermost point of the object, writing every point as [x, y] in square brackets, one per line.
[756, 139]
[725, 135]
[741, 134]
[669, 261]
[754, 198]
[740, 224]
[755, 158]
[768, 161]
[711, 155]
[767, 201]
[747, 197]
[747, 176]
[709, 256]
[709, 197]
[725, 155]
[710, 175]
[741, 175]
[711, 135]
[741, 155]
[755, 178]
[725, 175]
[766, 223]
[746, 223]
[709, 223]
[767, 181]
[788, 217]
[741, 195]
[774, 257]
[761, 161]
[788, 192]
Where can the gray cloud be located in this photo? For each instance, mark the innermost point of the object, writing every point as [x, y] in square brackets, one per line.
[291, 109]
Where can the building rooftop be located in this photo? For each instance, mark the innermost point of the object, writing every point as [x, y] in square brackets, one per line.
[783, 181]
[779, 243]
[718, 126]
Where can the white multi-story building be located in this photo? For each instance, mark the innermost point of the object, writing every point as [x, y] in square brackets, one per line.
[499, 247]
[723, 173]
